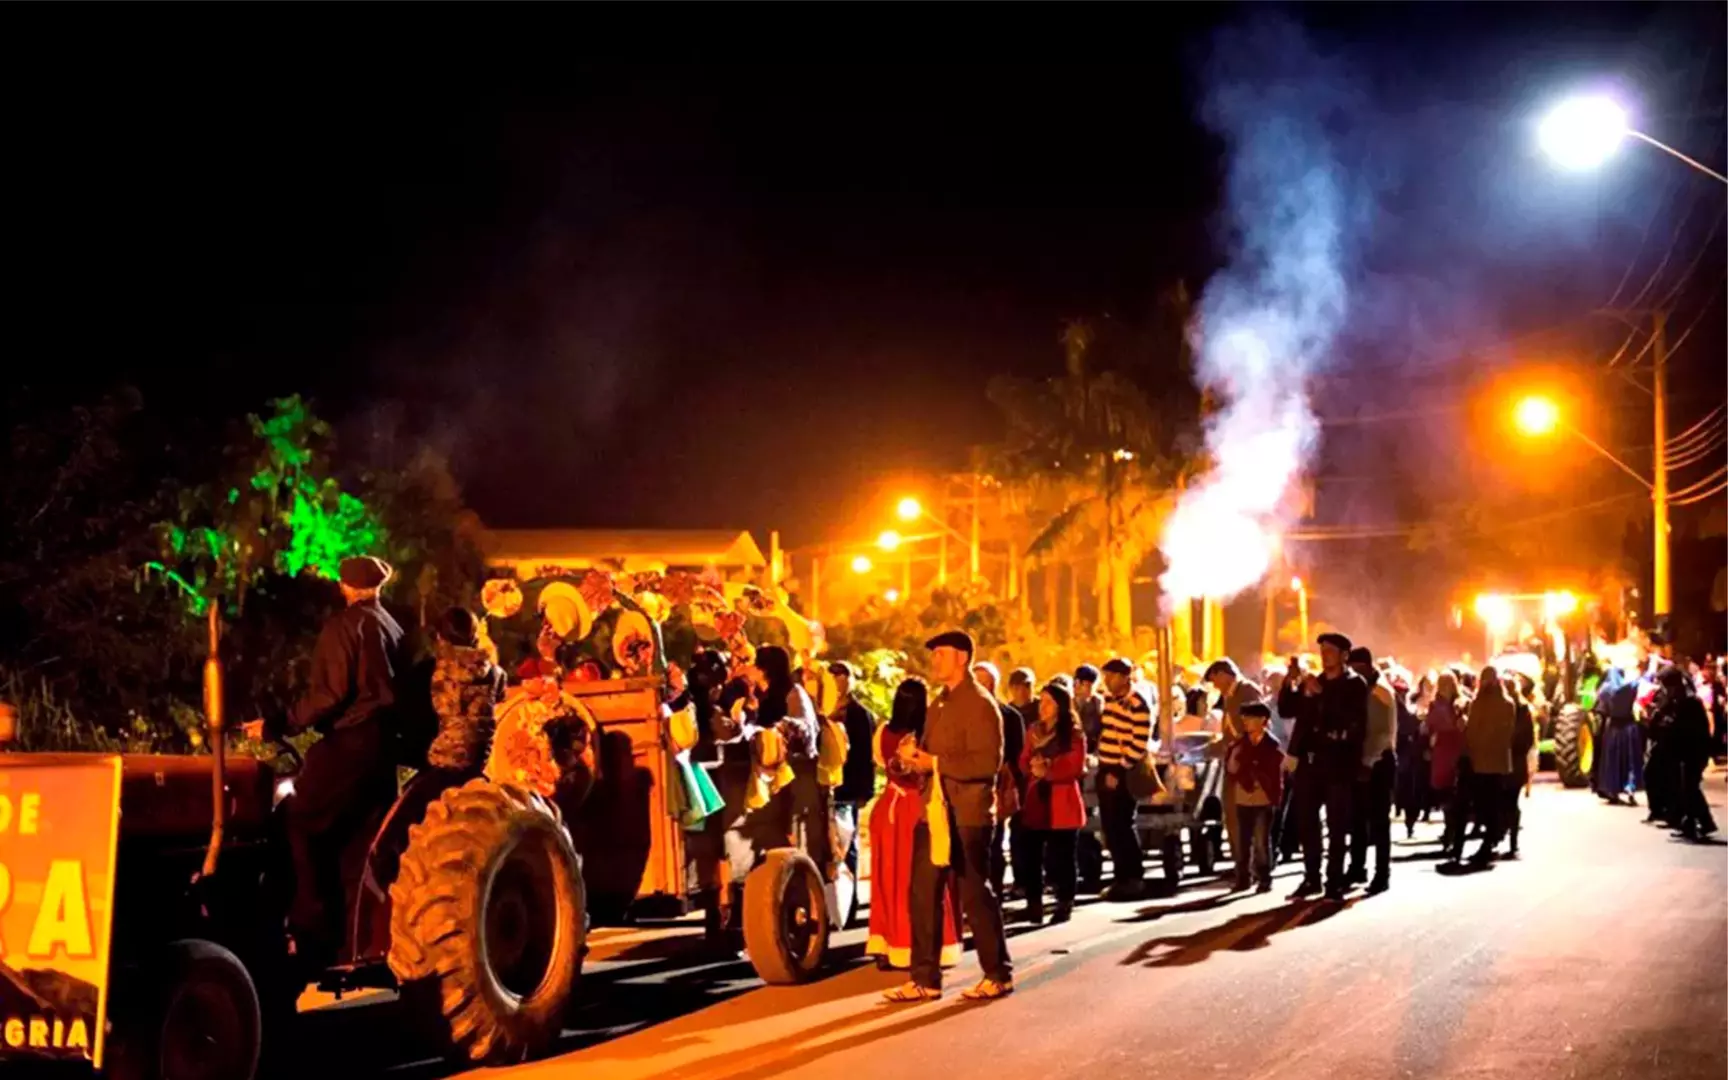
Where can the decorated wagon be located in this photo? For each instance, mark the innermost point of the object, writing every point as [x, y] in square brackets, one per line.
[632, 713]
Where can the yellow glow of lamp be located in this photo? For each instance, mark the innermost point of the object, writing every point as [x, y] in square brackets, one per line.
[1295, 584]
[1559, 604]
[889, 540]
[861, 564]
[1537, 416]
[909, 509]
[1495, 611]
[892, 596]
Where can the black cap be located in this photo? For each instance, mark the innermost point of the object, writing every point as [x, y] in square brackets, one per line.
[1338, 641]
[364, 572]
[1257, 708]
[1118, 666]
[953, 639]
[1361, 655]
[1085, 673]
[1021, 676]
[1222, 667]
[841, 667]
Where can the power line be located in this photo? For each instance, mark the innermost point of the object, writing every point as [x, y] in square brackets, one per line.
[1693, 489]
[1684, 436]
[1375, 532]
[1715, 492]
[1688, 458]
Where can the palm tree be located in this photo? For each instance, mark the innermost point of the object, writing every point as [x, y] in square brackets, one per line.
[1097, 460]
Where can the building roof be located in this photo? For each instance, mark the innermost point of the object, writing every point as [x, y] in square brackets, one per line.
[527, 550]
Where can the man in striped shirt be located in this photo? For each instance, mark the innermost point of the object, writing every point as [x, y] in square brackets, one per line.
[1127, 725]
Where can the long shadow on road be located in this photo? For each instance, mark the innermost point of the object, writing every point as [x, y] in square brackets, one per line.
[1241, 934]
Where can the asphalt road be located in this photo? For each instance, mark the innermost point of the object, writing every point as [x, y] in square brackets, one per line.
[1602, 953]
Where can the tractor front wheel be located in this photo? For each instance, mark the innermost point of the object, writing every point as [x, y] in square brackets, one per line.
[197, 1018]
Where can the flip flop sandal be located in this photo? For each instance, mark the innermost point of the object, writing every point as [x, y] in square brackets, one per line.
[988, 990]
[910, 994]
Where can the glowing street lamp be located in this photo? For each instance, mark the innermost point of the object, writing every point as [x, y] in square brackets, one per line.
[910, 509]
[1536, 416]
[1557, 605]
[1583, 132]
[861, 564]
[889, 540]
[892, 596]
[1495, 611]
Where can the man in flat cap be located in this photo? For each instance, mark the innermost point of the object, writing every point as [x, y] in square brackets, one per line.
[349, 778]
[1331, 724]
[963, 745]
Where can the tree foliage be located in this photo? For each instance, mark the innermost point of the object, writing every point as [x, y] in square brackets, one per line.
[122, 528]
[1092, 455]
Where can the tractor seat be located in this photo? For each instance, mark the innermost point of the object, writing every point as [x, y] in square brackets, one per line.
[168, 795]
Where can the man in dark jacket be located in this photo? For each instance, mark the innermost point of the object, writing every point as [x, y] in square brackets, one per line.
[349, 778]
[1331, 723]
[1688, 733]
[1013, 741]
[858, 777]
[963, 745]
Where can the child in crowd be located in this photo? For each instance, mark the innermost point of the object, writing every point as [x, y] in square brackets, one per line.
[1254, 765]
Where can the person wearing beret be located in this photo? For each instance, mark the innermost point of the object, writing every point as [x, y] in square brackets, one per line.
[1330, 712]
[349, 778]
[962, 746]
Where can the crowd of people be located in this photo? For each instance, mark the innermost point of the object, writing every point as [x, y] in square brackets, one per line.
[1317, 763]
[983, 774]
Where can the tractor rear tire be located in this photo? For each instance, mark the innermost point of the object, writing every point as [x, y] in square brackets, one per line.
[196, 1017]
[785, 917]
[1574, 746]
[487, 920]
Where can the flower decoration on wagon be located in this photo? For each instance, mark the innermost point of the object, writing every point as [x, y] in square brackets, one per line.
[501, 598]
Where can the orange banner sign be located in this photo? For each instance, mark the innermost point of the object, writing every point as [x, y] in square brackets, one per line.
[59, 816]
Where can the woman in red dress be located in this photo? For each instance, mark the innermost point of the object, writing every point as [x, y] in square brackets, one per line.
[897, 812]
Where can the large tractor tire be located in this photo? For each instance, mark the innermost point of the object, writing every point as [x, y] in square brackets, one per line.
[785, 917]
[1574, 746]
[195, 1016]
[487, 920]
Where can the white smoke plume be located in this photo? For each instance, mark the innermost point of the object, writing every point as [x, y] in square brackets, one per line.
[1266, 322]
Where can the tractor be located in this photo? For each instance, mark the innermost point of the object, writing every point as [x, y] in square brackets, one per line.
[467, 896]
[469, 900]
[1546, 642]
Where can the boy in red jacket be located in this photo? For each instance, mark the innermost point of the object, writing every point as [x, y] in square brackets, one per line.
[1254, 765]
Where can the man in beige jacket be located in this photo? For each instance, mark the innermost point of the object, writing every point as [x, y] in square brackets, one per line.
[962, 744]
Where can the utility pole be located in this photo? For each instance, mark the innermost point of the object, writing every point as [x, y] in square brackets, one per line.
[815, 588]
[974, 544]
[1659, 484]
[1269, 624]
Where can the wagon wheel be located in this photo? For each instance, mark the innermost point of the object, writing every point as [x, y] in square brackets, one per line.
[785, 917]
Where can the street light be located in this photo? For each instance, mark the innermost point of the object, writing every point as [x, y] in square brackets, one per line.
[1583, 132]
[1536, 416]
[861, 564]
[889, 540]
[1539, 416]
[910, 509]
[892, 596]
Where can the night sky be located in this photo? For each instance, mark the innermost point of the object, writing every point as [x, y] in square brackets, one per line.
[722, 267]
